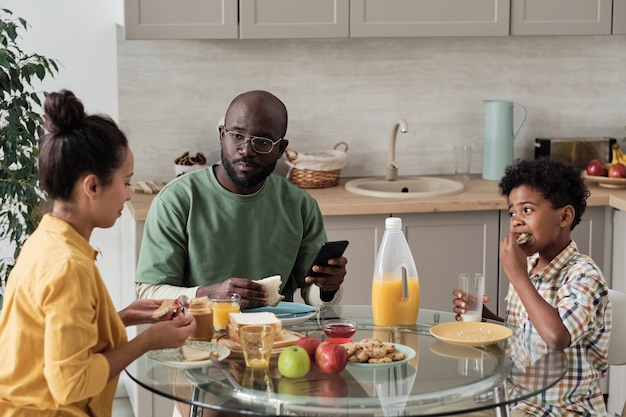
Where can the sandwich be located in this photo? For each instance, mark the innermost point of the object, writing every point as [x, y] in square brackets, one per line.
[522, 238]
[192, 354]
[166, 306]
[272, 285]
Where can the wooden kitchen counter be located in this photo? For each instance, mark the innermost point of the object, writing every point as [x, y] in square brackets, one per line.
[478, 195]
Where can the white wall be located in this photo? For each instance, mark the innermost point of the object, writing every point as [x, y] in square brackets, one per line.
[80, 34]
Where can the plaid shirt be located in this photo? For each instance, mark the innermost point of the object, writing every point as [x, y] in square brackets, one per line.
[574, 284]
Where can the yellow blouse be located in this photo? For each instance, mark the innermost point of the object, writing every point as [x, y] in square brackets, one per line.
[56, 319]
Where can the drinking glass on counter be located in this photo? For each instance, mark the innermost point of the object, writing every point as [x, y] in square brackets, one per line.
[472, 284]
[257, 342]
[462, 162]
[222, 305]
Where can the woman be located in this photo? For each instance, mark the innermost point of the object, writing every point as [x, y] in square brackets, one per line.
[63, 344]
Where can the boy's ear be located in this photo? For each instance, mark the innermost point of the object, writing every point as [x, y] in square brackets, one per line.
[567, 215]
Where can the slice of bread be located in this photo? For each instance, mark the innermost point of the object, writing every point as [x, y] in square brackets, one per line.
[237, 320]
[272, 284]
[165, 307]
[192, 354]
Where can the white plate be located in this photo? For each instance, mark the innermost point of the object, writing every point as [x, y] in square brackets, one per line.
[606, 182]
[289, 313]
[472, 333]
[174, 358]
[409, 352]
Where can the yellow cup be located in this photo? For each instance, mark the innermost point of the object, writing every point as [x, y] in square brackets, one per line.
[222, 305]
[257, 342]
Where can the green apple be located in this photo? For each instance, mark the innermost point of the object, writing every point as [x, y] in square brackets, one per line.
[294, 362]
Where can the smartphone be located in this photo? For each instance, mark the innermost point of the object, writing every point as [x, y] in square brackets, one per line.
[327, 251]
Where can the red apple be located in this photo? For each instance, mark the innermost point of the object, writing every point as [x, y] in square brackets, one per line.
[617, 171]
[597, 168]
[331, 358]
[310, 344]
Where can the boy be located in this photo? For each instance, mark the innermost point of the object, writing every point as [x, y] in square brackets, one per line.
[556, 294]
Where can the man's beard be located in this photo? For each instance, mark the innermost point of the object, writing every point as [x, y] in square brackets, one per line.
[243, 181]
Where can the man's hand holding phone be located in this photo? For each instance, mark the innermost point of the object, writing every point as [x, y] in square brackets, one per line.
[329, 267]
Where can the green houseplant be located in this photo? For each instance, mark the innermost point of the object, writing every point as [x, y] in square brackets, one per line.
[20, 126]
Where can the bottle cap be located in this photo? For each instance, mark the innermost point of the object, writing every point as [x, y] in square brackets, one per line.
[394, 223]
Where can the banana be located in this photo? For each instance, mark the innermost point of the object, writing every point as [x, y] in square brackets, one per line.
[617, 155]
[621, 157]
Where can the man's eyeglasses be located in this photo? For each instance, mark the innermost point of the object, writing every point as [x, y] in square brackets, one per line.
[259, 144]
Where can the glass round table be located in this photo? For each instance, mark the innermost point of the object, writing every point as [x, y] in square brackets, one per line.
[435, 379]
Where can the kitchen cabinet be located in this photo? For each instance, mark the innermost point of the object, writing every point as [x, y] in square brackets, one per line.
[443, 245]
[592, 236]
[561, 17]
[276, 19]
[143, 402]
[407, 18]
[171, 19]
[229, 19]
[285, 19]
[619, 17]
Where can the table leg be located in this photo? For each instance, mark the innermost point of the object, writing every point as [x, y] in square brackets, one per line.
[502, 410]
[194, 410]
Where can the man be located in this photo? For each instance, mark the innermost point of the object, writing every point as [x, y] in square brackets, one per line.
[216, 230]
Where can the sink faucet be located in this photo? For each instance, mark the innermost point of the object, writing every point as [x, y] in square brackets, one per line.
[392, 166]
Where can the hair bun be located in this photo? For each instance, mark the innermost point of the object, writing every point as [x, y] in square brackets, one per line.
[63, 112]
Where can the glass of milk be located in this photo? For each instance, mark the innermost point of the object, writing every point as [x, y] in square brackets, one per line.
[472, 284]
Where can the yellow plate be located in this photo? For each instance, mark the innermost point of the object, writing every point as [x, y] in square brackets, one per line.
[447, 350]
[470, 333]
[607, 182]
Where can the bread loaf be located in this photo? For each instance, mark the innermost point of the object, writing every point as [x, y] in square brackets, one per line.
[237, 320]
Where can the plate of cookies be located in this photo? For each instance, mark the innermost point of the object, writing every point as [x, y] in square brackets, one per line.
[374, 353]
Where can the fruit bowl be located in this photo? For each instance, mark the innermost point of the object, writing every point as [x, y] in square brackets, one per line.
[606, 182]
[339, 328]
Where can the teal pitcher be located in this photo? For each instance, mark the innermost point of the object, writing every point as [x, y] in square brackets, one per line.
[499, 136]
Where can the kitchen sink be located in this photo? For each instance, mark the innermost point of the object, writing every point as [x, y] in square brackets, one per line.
[404, 187]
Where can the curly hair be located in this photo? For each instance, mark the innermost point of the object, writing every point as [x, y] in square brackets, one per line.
[556, 181]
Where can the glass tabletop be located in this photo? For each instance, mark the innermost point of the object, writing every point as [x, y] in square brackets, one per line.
[440, 379]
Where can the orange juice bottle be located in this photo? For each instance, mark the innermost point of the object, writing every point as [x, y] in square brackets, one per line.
[395, 287]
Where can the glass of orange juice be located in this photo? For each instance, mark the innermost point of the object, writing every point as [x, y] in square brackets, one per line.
[222, 304]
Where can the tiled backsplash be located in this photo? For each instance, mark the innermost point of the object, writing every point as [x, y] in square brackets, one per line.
[172, 94]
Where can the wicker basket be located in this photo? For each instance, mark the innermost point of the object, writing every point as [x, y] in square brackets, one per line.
[316, 170]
